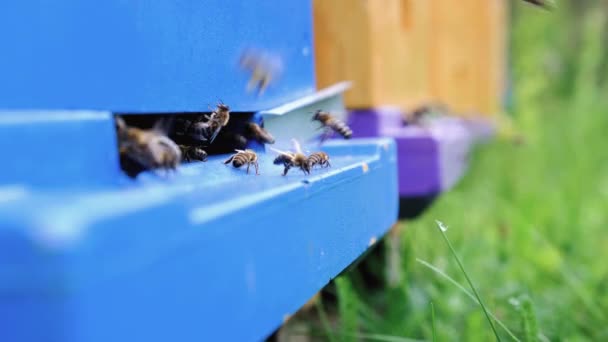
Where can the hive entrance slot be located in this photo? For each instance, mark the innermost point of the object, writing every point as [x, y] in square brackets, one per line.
[151, 141]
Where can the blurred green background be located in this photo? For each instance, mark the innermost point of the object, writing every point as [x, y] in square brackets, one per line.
[529, 221]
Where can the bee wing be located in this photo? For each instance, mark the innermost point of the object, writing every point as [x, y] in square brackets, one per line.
[281, 152]
[217, 131]
[296, 145]
[240, 151]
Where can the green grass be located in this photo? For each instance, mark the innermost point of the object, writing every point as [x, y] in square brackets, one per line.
[433, 322]
[529, 222]
[442, 229]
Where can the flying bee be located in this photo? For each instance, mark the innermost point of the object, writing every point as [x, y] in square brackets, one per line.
[319, 158]
[331, 124]
[292, 159]
[242, 157]
[254, 131]
[191, 153]
[264, 70]
[150, 148]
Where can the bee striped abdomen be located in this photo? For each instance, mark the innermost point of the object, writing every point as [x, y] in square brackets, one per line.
[332, 124]
[247, 157]
[319, 158]
[341, 128]
[240, 160]
[190, 153]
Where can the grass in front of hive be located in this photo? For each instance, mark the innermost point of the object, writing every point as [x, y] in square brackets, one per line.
[529, 221]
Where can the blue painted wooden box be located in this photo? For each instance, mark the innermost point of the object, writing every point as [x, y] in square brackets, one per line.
[207, 254]
[149, 56]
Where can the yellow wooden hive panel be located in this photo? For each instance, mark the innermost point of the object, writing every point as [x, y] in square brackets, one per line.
[406, 52]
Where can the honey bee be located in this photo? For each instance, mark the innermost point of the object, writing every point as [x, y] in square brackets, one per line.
[319, 158]
[262, 68]
[204, 129]
[242, 157]
[150, 148]
[331, 124]
[254, 131]
[292, 159]
[193, 153]
[219, 118]
[540, 3]
[419, 114]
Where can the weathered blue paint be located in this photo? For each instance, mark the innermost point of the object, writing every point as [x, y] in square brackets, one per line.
[209, 254]
[149, 56]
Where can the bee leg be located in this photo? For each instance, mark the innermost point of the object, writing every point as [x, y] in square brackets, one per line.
[285, 170]
[248, 164]
[325, 135]
[252, 84]
[228, 160]
[263, 84]
[256, 168]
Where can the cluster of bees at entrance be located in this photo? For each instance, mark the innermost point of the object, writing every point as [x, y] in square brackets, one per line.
[174, 139]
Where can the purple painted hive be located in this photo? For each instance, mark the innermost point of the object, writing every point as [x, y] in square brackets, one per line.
[432, 158]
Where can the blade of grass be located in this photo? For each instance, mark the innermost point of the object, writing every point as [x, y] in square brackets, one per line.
[442, 230]
[469, 294]
[433, 322]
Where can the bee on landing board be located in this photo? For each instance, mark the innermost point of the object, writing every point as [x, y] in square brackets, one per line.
[191, 153]
[319, 158]
[254, 131]
[242, 157]
[331, 124]
[292, 159]
[150, 148]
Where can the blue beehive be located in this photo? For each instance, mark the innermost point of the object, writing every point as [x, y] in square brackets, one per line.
[209, 253]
